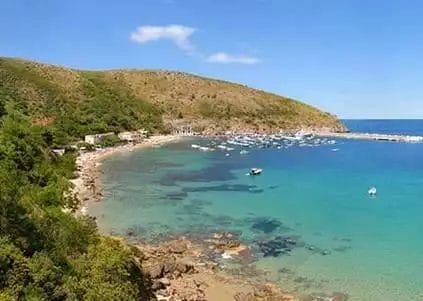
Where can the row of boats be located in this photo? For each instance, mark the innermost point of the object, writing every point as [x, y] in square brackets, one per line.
[244, 142]
[231, 143]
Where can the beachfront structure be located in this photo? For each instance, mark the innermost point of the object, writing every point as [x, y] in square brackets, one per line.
[97, 138]
[183, 131]
[134, 136]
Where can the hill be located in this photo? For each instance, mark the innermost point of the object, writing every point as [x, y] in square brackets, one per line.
[46, 251]
[80, 102]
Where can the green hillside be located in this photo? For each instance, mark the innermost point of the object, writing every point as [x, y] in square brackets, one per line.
[47, 253]
[81, 102]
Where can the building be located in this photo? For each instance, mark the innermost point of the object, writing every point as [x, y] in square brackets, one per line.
[134, 136]
[97, 138]
[183, 131]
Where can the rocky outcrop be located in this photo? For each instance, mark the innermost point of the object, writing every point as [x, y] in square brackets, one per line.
[179, 271]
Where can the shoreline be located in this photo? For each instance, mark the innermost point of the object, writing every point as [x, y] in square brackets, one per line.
[181, 270]
[87, 184]
[204, 278]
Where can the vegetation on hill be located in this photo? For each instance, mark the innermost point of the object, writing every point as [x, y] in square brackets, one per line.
[45, 252]
[75, 103]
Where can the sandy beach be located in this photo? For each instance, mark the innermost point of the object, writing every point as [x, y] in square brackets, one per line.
[87, 185]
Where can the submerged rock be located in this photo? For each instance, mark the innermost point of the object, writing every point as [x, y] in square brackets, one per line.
[266, 225]
[325, 297]
[278, 245]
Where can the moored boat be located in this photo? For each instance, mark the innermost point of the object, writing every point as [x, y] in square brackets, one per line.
[372, 191]
[255, 171]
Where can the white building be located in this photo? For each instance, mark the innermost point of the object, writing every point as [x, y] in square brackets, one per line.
[134, 136]
[183, 131]
[97, 138]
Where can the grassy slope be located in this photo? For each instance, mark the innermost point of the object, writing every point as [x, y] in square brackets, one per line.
[82, 102]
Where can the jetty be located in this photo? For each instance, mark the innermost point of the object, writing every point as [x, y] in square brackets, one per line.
[374, 136]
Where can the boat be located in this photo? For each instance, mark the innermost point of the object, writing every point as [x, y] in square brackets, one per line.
[243, 152]
[205, 148]
[255, 171]
[372, 191]
[195, 146]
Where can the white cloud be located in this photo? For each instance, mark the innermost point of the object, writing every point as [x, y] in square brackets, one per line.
[226, 58]
[178, 34]
[181, 35]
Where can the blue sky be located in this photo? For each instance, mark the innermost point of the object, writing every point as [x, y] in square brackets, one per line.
[354, 58]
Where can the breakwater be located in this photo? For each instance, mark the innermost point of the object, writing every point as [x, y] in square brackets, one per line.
[375, 136]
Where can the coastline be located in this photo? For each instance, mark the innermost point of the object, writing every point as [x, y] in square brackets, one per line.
[87, 184]
[193, 275]
[200, 277]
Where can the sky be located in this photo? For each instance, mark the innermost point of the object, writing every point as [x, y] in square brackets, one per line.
[353, 58]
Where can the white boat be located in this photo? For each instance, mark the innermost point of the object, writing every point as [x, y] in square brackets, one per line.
[372, 191]
[195, 146]
[205, 148]
[255, 171]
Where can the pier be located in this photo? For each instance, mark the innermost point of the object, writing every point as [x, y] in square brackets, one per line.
[374, 136]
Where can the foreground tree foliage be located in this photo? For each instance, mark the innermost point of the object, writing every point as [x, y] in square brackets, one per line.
[45, 252]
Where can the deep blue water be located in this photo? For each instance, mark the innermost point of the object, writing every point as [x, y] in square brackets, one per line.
[368, 248]
[383, 126]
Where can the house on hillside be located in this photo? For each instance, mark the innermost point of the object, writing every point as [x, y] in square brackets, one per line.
[97, 138]
[133, 136]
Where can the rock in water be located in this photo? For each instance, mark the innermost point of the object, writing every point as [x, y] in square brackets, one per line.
[266, 225]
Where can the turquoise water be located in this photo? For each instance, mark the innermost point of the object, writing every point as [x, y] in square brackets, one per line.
[368, 248]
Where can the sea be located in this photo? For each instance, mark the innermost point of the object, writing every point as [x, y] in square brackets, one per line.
[308, 217]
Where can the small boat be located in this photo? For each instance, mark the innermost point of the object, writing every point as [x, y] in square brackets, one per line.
[195, 146]
[372, 191]
[255, 171]
[243, 152]
[205, 148]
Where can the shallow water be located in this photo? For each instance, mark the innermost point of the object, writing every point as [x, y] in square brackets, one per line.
[368, 248]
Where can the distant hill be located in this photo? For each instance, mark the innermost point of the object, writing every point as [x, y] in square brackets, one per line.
[81, 102]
